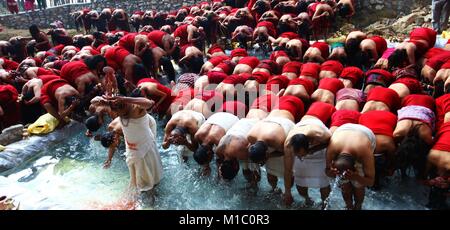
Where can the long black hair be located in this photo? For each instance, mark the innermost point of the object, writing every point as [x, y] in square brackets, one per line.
[397, 58]
[412, 152]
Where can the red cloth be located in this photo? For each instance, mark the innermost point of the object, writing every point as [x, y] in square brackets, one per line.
[43, 71]
[206, 95]
[9, 65]
[234, 107]
[10, 106]
[420, 100]
[434, 52]
[293, 105]
[423, 33]
[276, 54]
[217, 60]
[215, 48]
[261, 77]
[156, 36]
[265, 102]
[250, 61]
[239, 52]
[385, 95]
[293, 67]
[379, 76]
[333, 66]
[446, 65]
[48, 91]
[279, 80]
[380, 122]
[290, 35]
[216, 77]
[165, 104]
[381, 44]
[115, 56]
[310, 69]
[413, 84]
[331, 84]
[354, 74]
[47, 78]
[184, 96]
[321, 110]
[442, 107]
[323, 47]
[226, 66]
[270, 65]
[182, 33]
[308, 84]
[421, 48]
[235, 79]
[341, 117]
[443, 138]
[270, 27]
[127, 42]
[72, 70]
[436, 62]
[58, 49]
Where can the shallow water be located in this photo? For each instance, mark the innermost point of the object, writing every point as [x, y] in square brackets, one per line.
[70, 176]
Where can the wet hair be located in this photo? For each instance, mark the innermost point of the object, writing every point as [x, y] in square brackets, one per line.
[168, 67]
[352, 46]
[299, 141]
[283, 27]
[345, 10]
[261, 7]
[68, 100]
[176, 54]
[34, 29]
[261, 38]
[98, 35]
[51, 58]
[139, 72]
[302, 6]
[229, 169]
[28, 95]
[397, 58]
[92, 123]
[31, 48]
[121, 84]
[344, 161]
[106, 139]
[147, 59]
[412, 151]
[93, 61]
[136, 92]
[202, 155]
[340, 58]
[89, 87]
[438, 89]
[113, 39]
[195, 64]
[180, 130]
[257, 152]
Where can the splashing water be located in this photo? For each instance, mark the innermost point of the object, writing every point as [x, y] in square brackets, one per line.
[70, 175]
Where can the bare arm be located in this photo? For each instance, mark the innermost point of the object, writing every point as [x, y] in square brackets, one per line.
[369, 171]
[112, 148]
[52, 111]
[288, 165]
[169, 127]
[331, 155]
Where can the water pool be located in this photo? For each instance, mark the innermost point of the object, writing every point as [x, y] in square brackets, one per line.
[70, 175]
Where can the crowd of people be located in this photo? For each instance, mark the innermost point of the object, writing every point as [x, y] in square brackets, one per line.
[308, 112]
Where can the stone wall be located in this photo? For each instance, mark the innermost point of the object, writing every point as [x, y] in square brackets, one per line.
[44, 18]
[400, 6]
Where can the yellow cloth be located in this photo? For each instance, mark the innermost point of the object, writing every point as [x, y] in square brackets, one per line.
[2, 148]
[338, 39]
[446, 34]
[44, 124]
